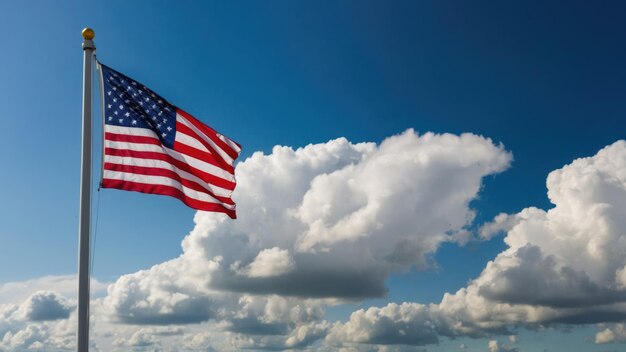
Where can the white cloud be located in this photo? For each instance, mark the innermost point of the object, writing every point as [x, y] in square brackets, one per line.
[406, 324]
[45, 305]
[30, 338]
[614, 333]
[301, 336]
[140, 338]
[200, 341]
[64, 285]
[493, 346]
[407, 192]
[564, 265]
[177, 296]
[39, 314]
[49, 336]
[496, 346]
[501, 223]
[271, 262]
[570, 256]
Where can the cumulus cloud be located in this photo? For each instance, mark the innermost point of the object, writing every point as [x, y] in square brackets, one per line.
[270, 315]
[200, 341]
[141, 338]
[30, 338]
[614, 333]
[501, 223]
[45, 305]
[497, 346]
[348, 213]
[64, 285]
[563, 265]
[39, 314]
[570, 257]
[299, 337]
[271, 262]
[58, 335]
[406, 324]
[329, 220]
[175, 298]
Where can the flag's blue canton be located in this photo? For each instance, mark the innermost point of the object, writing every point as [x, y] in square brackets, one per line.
[129, 103]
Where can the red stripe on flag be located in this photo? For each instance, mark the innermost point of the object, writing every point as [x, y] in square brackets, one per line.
[115, 137]
[167, 191]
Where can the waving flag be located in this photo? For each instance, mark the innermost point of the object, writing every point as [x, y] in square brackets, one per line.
[151, 146]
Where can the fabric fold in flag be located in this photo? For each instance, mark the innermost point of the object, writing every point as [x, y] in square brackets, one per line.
[152, 146]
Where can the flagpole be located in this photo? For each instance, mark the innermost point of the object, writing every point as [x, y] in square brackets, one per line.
[85, 196]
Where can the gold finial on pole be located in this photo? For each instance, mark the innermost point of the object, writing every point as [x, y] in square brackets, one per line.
[88, 33]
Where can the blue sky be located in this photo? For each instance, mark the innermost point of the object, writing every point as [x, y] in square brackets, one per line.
[544, 81]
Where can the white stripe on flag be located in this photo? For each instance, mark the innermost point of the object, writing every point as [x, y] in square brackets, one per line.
[131, 131]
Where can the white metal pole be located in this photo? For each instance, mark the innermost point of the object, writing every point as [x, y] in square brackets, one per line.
[85, 196]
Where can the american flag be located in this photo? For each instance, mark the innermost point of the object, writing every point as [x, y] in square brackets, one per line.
[151, 146]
